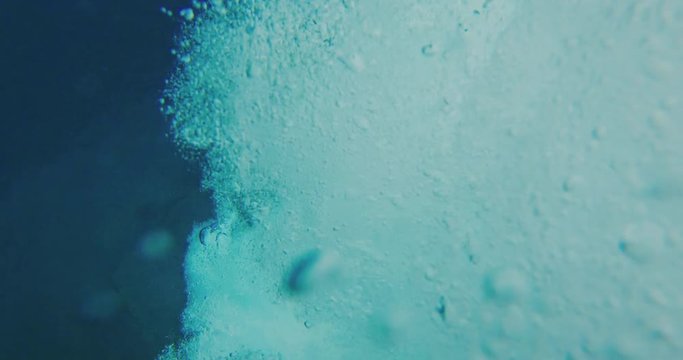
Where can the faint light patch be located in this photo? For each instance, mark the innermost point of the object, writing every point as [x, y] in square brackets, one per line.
[101, 305]
[389, 325]
[156, 244]
[663, 189]
[506, 286]
[643, 242]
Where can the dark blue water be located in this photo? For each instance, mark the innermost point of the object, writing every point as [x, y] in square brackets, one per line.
[86, 173]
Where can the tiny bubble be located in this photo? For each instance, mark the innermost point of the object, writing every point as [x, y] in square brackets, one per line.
[187, 14]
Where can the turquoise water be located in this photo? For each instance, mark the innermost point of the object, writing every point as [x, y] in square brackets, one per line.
[433, 179]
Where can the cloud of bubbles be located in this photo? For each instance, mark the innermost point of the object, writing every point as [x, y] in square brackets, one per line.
[405, 179]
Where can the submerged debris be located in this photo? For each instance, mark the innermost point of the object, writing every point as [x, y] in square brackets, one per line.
[298, 278]
[213, 232]
[206, 232]
[310, 270]
[441, 308]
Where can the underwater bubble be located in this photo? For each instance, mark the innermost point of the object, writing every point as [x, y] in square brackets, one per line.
[572, 183]
[430, 50]
[187, 14]
[599, 132]
[642, 242]
[253, 355]
[389, 325]
[506, 286]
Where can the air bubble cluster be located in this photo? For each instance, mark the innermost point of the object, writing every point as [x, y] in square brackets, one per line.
[403, 179]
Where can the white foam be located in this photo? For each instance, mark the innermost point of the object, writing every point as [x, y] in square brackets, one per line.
[483, 171]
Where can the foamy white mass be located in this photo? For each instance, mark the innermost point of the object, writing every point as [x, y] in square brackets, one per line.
[441, 179]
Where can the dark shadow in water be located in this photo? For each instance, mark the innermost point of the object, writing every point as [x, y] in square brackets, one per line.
[95, 202]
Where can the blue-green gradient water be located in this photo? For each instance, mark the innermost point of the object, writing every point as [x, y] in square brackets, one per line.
[444, 179]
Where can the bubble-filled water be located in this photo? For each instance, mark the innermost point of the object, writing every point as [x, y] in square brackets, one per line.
[443, 179]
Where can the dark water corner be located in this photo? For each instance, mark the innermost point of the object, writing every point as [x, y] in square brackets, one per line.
[95, 200]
